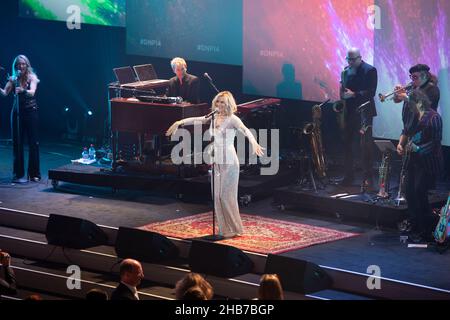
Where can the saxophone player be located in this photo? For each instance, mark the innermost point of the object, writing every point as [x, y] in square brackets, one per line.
[358, 86]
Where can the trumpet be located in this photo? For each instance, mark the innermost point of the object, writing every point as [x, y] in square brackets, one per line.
[408, 88]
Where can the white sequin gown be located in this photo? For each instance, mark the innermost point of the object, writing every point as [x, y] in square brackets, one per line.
[226, 173]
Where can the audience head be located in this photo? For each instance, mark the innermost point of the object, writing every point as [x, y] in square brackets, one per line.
[5, 258]
[270, 288]
[131, 272]
[97, 295]
[194, 293]
[193, 280]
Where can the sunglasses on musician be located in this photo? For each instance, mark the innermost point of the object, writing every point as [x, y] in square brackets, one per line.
[414, 76]
[352, 59]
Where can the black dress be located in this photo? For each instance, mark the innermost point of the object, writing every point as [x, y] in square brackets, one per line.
[25, 124]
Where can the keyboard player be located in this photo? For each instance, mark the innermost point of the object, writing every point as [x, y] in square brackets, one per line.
[183, 84]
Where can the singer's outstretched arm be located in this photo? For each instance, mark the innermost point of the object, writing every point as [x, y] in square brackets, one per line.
[239, 125]
[186, 122]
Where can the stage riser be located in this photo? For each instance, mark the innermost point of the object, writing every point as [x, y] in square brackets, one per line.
[343, 280]
[346, 210]
[198, 188]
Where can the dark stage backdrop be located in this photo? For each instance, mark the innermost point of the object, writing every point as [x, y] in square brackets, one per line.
[75, 67]
[414, 31]
[208, 31]
[296, 48]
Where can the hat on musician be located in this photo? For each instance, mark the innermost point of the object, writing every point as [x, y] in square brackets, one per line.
[419, 68]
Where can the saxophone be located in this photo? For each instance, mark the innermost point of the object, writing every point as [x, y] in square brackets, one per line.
[313, 129]
[384, 175]
[340, 106]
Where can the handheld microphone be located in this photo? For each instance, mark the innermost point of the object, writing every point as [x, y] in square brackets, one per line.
[209, 115]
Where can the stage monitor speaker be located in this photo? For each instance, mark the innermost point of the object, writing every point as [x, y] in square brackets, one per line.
[144, 246]
[298, 275]
[218, 259]
[75, 233]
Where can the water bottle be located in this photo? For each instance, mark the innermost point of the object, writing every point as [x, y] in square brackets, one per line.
[92, 152]
[85, 154]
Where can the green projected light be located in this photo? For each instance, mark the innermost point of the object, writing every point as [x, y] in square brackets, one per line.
[100, 12]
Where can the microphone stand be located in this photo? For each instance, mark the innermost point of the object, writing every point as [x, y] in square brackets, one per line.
[19, 151]
[212, 83]
[214, 236]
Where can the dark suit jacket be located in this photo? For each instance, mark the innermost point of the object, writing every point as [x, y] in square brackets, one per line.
[189, 90]
[7, 281]
[122, 292]
[364, 84]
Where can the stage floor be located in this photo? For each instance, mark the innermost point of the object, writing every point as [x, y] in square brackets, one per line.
[137, 208]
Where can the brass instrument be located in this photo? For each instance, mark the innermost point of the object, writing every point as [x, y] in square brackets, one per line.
[340, 106]
[384, 175]
[313, 129]
[388, 96]
[403, 172]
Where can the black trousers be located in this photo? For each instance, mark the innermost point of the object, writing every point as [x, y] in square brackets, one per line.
[352, 132]
[419, 182]
[28, 126]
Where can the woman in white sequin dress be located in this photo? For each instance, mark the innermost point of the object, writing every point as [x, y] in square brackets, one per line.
[226, 162]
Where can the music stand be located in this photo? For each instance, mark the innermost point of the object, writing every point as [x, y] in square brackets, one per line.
[16, 106]
[385, 146]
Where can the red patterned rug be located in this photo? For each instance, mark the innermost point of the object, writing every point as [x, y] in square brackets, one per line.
[261, 235]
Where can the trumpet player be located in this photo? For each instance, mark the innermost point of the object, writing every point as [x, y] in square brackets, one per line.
[358, 86]
[424, 164]
[421, 79]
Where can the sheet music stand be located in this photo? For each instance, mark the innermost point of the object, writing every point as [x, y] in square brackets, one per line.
[385, 146]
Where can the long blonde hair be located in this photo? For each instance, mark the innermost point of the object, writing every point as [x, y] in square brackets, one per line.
[231, 103]
[270, 288]
[28, 73]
